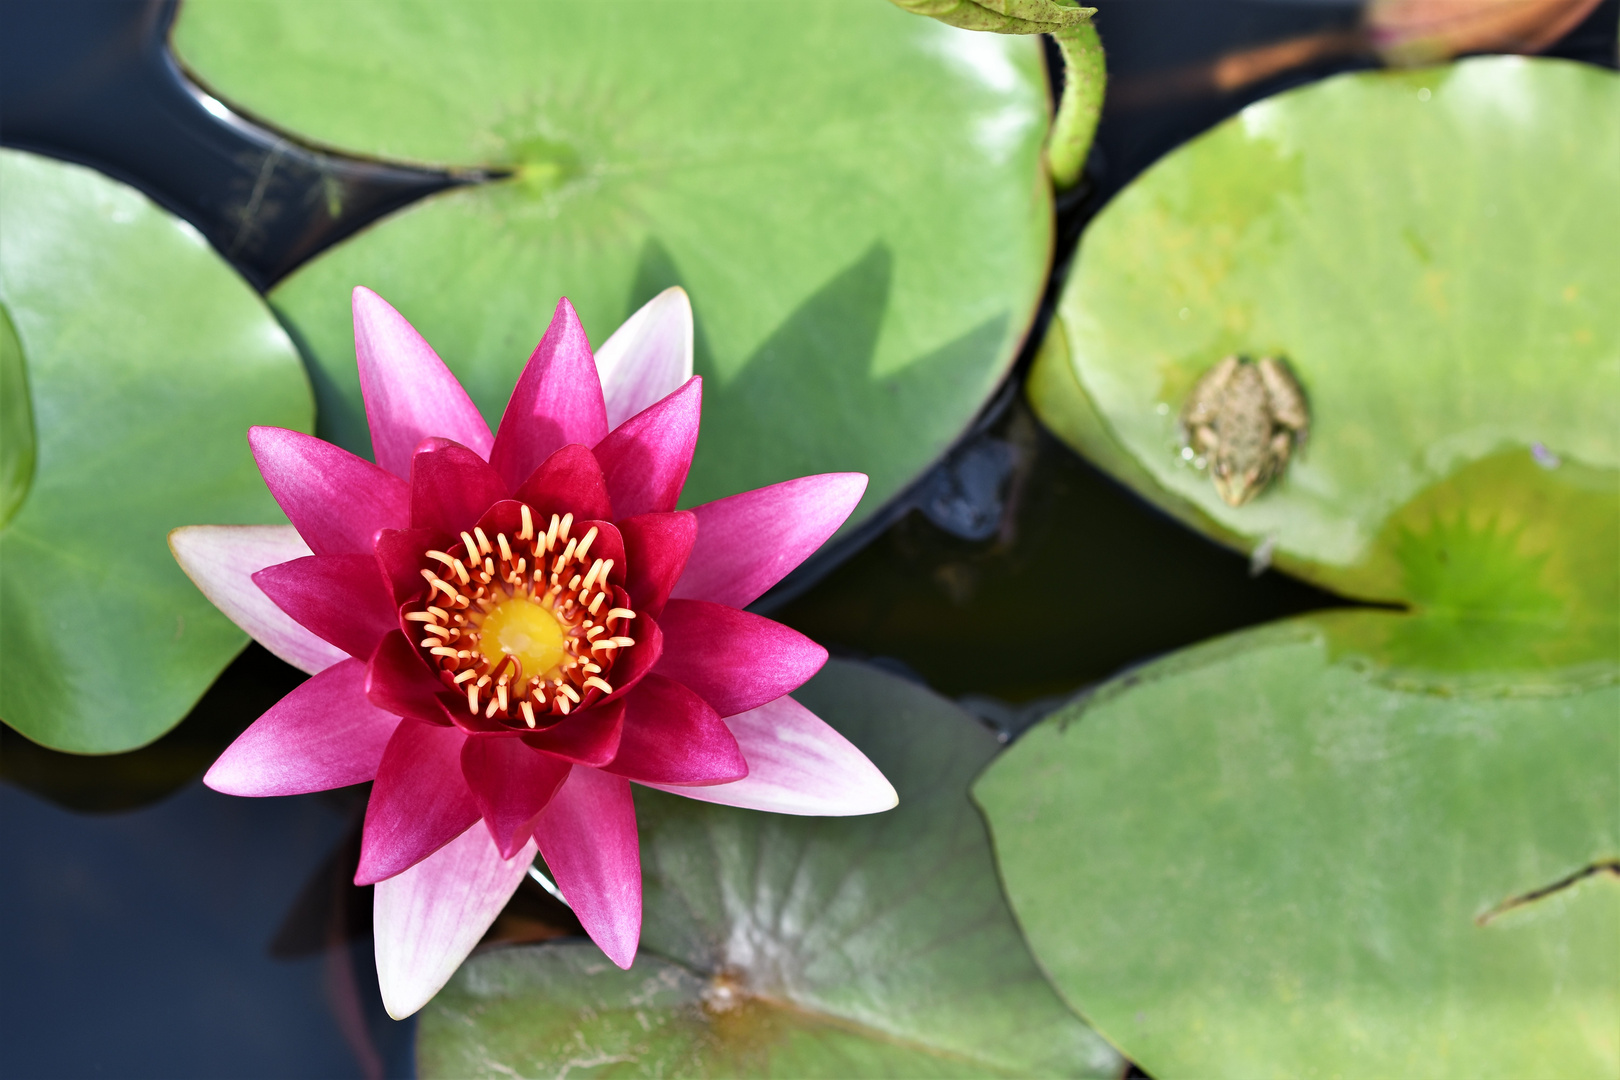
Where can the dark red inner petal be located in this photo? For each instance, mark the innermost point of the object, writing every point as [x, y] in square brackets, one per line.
[568, 482]
[656, 550]
[451, 487]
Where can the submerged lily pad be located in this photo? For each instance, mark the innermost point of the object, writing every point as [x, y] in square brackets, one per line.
[144, 360]
[787, 946]
[1432, 252]
[853, 197]
[1259, 858]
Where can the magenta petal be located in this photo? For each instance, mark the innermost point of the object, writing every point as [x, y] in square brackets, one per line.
[340, 598]
[222, 560]
[588, 838]
[568, 482]
[672, 736]
[400, 681]
[797, 764]
[645, 459]
[419, 803]
[451, 487]
[410, 395]
[747, 543]
[735, 660]
[648, 357]
[400, 558]
[336, 500]
[590, 737]
[656, 547]
[511, 783]
[557, 401]
[324, 734]
[427, 919]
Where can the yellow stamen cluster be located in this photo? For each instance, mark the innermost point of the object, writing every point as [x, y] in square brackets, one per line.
[525, 627]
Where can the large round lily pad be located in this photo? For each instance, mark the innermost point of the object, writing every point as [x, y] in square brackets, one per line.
[1258, 858]
[853, 197]
[786, 946]
[138, 361]
[1433, 253]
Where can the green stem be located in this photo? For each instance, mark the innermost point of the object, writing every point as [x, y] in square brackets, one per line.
[1076, 120]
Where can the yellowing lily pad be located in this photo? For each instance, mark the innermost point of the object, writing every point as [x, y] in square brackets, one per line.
[853, 197]
[1258, 858]
[788, 946]
[144, 360]
[1433, 253]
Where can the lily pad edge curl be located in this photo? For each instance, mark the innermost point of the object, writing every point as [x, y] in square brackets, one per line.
[146, 360]
[794, 946]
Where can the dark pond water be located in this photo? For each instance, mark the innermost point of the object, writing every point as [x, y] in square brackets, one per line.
[149, 927]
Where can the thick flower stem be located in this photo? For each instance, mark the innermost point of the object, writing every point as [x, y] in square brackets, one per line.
[1076, 120]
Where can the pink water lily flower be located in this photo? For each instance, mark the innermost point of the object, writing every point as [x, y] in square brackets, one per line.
[505, 631]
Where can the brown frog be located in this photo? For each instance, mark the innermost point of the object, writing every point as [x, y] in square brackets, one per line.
[1245, 418]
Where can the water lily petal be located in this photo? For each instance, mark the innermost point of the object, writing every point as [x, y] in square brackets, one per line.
[335, 500]
[735, 660]
[648, 357]
[427, 919]
[588, 838]
[419, 803]
[400, 558]
[511, 783]
[557, 401]
[410, 395]
[325, 734]
[646, 458]
[400, 681]
[590, 737]
[797, 764]
[222, 560]
[656, 546]
[672, 736]
[340, 598]
[451, 487]
[746, 543]
[568, 482]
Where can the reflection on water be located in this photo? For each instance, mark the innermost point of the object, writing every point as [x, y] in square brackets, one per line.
[146, 944]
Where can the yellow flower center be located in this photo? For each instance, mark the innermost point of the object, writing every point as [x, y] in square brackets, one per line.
[526, 630]
[524, 626]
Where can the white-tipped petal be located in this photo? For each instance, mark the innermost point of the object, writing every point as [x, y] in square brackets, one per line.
[647, 358]
[222, 560]
[427, 919]
[797, 764]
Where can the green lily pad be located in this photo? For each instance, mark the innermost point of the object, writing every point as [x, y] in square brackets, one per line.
[144, 360]
[787, 946]
[1432, 252]
[1259, 858]
[852, 196]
